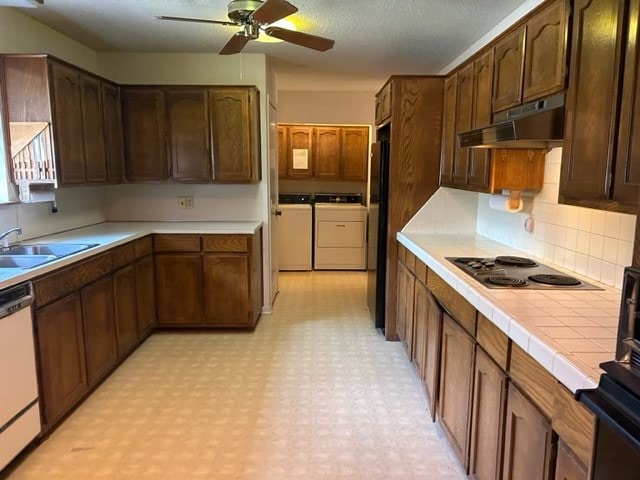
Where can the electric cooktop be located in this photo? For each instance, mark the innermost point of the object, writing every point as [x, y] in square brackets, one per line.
[517, 272]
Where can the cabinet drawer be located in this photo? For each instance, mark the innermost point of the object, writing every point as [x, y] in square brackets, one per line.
[61, 283]
[122, 255]
[493, 340]
[420, 271]
[533, 379]
[143, 247]
[340, 235]
[176, 243]
[453, 302]
[225, 243]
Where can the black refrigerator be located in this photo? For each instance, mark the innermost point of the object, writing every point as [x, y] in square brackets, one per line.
[377, 232]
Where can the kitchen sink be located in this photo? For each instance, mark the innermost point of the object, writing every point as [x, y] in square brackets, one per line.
[56, 249]
[24, 261]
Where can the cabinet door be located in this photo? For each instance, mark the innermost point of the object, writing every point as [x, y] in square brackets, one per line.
[404, 322]
[568, 467]
[326, 155]
[62, 365]
[282, 152]
[145, 295]
[113, 132]
[487, 424]
[235, 126]
[449, 140]
[420, 314]
[464, 123]
[99, 328]
[507, 70]
[299, 156]
[383, 104]
[456, 381]
[528, 437]
[480, 158]
[226, 286]
[93, 129]
[627, 170]
[545, 52]
[592, 100]
[124, 287]
[354, 143]
[432, 354]
[144, 134]
[179, 289]
[188, 134]
[67, 125]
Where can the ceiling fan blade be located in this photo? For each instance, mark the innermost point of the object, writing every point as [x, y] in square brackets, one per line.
[303, 39]
[235, 45]
[271, 11]
[195, 20]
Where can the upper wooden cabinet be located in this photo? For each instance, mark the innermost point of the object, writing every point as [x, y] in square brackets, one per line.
[464, 122]
[323, 152]
[113, 133]
[383, 104]
[235, 129]
[530, 61]
[449, 140]
[93, 129]
[589, 161]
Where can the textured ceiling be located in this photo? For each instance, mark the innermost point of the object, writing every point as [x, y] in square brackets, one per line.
[374, 38]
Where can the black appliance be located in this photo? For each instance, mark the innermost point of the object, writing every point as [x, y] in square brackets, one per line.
[294, 198]
[517, 272]
[616, 401]
[337, 198]
[377, 232]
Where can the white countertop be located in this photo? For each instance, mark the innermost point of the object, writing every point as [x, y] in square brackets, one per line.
[568, 332]
[111, 234]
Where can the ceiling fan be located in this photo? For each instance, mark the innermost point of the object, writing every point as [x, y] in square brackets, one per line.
[256, 16]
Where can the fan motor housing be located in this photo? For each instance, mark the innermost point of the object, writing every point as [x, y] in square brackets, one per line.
[239, 10]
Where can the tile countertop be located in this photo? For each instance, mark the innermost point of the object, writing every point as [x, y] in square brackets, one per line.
[111, 234]
[568, 332]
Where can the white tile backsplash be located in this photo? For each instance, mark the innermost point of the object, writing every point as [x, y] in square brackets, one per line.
[590, 242]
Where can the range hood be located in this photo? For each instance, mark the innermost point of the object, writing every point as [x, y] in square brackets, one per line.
[538, 124]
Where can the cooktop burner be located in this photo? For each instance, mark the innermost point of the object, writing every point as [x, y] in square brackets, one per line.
[507, 271]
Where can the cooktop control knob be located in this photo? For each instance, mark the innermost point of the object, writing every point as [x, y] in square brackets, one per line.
[489, 264]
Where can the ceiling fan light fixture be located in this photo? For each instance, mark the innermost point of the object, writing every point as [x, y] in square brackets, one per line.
[282, 23]
[21, 3]
[239, 10]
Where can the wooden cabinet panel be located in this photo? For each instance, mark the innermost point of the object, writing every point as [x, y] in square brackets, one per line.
[533, 379]
[225, 243]
[179, 273]
[507, 70]
[282, 151]
[456, 382]
[188, 134]
[176, 243]
[487, 425]
[113, 132]
[235, 124]
[145, 295]
[464, 123]
[145, 134]
[493, 340]
[528, 448]
[143, 246]
[453, 302]
[299, 139]
[574, 423]
[62, 365]
[592, 100]
[383, 104]
[404, 323]
[568, 467]
[354, 144]
[449, 140]
[226, 286]
[99, 328]
[627, 169]
[326, 158]
[124, 289]
[93, 129]
[432, 354]
[545, 52]
[420, 314]
[67, 123]
[480, 159]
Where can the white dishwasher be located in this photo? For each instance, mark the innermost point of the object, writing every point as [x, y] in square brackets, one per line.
[19, 409]
[294, 231]
[340, 232]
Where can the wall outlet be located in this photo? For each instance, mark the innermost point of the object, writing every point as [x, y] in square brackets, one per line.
[189, 202]
[182, 202]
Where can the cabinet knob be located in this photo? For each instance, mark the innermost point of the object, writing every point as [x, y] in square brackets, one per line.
[278, 213]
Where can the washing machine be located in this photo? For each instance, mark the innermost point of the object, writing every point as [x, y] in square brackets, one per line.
[295, 231]
[340, 232]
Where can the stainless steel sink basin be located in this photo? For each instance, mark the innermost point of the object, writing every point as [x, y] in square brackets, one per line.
[56, 249]
[24, 261]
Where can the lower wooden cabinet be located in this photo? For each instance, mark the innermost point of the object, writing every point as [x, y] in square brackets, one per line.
[124, 290]
[528, 447]
[226, 283]
[61, 357]
[404, 316]
[432, 354]
[420, 318]
[99, 328]
[487, 424]
[568, 467]
[145, 295]
[456, 382]
[179, 289]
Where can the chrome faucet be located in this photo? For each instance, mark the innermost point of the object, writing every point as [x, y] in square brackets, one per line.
[4, 235]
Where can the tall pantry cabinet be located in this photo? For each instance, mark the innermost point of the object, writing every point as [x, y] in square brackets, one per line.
[409, 117]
